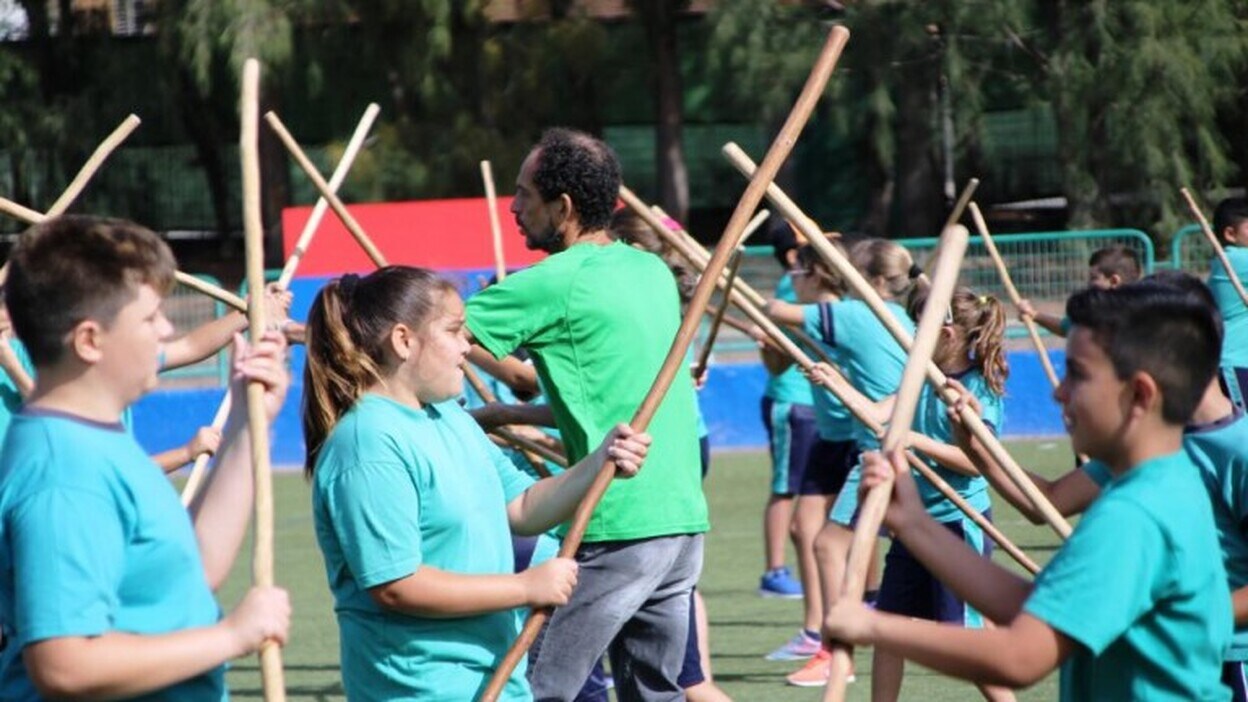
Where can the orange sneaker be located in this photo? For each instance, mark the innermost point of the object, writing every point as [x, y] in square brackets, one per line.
[816, 671]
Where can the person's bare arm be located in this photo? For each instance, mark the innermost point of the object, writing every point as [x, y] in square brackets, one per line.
[497, 414]
[118, 664]
[521, 377]
[1052, 323]
[1016, 654]
[782, 312]
[10, 364]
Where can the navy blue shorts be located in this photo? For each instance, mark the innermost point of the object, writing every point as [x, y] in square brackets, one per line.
[791, 434]
[1235, 384]
[691, 672]
[830, 463]
[910, 590]
[704, 448]
[1235, 677]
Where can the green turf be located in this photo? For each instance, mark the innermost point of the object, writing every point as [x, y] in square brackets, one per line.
[743, 626]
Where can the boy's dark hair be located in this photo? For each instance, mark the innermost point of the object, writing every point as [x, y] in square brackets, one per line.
[1155, 328]
[1229, 213]
[70, 269]
[1118, 260]
[584, 168]
[1190, 284]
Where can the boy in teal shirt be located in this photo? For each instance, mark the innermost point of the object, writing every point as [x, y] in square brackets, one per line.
[105, 580]
[1230, 223]
[1134, 604]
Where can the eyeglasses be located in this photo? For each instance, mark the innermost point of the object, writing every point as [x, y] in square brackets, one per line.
[799, 272]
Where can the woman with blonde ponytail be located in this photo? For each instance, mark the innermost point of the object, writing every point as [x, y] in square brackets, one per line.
[413, 505]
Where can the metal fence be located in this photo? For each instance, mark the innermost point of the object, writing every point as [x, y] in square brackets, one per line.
[1190, 251]
[188, 309]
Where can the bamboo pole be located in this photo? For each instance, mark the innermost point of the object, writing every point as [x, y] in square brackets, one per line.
[779, 150]
[496, 229]
[101, 153]
[1217, 245]
[742, 294]
[705, 356]
[211, 290]
[863, 290]
[335, 181]
[696, 253]
[257, 420]
[314, 175]
[1008, 282]
[200, 468]
[871, 510]
[21, 212]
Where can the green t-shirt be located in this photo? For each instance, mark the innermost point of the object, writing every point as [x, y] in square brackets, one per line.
[1140, 587]
[599, 321]
[871, 357]
[1234, 314]
[790, 386]
[396, 488]
[931, 419]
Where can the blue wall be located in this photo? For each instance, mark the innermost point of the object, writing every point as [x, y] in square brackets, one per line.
[730, 401]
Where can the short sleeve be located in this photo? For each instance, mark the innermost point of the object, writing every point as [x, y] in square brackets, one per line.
[1120, 550]
[375, 512]
[516, 311]
[68, 549]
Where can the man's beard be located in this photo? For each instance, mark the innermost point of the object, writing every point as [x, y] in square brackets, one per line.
[547, 240]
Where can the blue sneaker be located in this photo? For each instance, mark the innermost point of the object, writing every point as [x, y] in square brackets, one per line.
[779, 582]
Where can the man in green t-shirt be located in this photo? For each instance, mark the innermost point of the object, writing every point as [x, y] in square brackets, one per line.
[598, 317]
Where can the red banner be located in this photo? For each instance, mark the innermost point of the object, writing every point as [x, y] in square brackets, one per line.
[438, 234]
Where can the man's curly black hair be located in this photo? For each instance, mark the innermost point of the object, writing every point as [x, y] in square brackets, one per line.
[585, 168]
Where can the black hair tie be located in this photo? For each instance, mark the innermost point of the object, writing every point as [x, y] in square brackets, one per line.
[346, 285]
[915, 271]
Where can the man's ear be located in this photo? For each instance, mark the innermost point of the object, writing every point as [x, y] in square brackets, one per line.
[1115, 280]
[565, 212]
[86, 341]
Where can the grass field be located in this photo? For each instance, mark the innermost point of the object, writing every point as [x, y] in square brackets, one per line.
[743, 626]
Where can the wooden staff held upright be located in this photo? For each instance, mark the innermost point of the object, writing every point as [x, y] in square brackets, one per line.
[257, 425]
[1217, 245]
[674, 362]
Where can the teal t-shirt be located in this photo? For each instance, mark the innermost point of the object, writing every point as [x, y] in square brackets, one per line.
[93, 539]
[1139, 587]
[1234, 314]
[599, 321]
[790, 386]
[10, 397]
[833, 420]
[932, 420]
[1220, 451]
[870, 356]
[396, 488]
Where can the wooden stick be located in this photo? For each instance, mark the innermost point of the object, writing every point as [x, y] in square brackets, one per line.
[703, 358]
[869, 295]
[288, 273]
[21, 212]
[1217, 245]
[496, 229]
[528, 446]
[779, 150]
[211, 290]
[1008, 283]
[200, 468]
[534, 457]
[742, 294]
[106, 147]
[257, 420]
[694, 251]
[335, 181]
[871, 510]
[326, 192]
